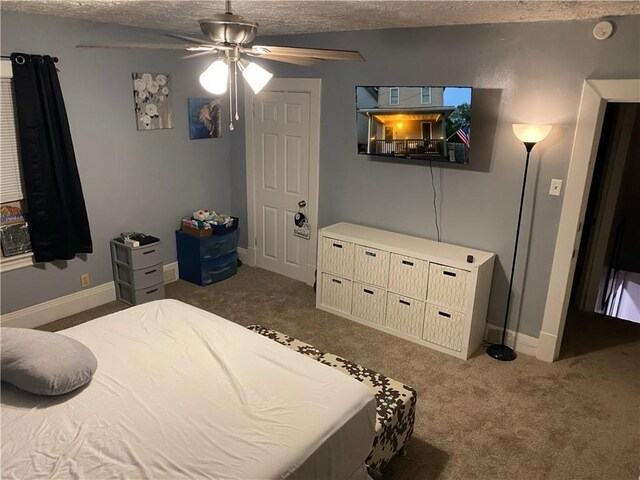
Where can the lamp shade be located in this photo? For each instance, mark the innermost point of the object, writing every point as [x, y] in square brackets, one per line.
[214, 79]
[256, 76]
[528, 133]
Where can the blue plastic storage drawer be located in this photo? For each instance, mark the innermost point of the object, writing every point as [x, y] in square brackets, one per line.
[213, 271]
[202, 249]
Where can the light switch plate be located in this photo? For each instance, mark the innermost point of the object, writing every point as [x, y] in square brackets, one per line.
[556, 187]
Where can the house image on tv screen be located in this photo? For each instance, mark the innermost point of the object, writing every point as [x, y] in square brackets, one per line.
[417, 122]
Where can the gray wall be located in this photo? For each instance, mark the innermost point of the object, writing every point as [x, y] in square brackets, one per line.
[132, 180]
[521, 73]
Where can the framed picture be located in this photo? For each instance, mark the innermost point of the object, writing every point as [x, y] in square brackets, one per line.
[204, 118]
[152, 97]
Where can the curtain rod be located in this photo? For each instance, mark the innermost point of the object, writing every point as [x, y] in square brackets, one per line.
[8, 57]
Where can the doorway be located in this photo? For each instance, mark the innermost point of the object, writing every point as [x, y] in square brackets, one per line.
[426, 131]
[282, 159]
[388, 134]
[595, 96]
[607, 278]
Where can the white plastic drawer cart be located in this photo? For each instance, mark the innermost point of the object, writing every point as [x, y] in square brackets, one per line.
[431, 293]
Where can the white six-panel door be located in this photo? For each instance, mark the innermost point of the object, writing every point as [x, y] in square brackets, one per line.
[281, 169]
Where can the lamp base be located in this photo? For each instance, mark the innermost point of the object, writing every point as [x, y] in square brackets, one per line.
[501, 352]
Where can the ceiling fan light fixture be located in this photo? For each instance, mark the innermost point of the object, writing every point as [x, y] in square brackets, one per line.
[215, 78]
[256, 76]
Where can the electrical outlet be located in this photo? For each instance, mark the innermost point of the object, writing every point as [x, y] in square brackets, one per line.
[84, 280]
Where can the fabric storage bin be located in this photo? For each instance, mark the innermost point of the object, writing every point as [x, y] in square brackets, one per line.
[202, 249]
[142, 278]
[408, 276]
[405, 314]
[371, 266]
[337, 257]
[368, 303]
[448, 286]
[127, 294]
[443, 327]
[336, 293]
[213, 271]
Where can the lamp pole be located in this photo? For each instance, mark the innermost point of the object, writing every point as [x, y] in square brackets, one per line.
[529, 135]
[501, 351]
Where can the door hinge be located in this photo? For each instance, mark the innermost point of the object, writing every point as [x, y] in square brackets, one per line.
[255, 241]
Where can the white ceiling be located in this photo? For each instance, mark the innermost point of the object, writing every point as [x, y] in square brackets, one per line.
[277, 17]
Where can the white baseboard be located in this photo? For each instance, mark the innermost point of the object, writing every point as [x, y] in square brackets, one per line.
[61, 307]
[247, 256]
[520, 342]
[547, 347]
[171, 273]
[52, 310]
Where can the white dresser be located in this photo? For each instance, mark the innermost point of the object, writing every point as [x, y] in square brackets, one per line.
[417, 289]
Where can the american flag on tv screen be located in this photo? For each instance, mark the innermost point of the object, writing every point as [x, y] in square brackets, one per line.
[463, 134]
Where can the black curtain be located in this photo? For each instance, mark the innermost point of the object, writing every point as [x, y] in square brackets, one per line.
[58, 223]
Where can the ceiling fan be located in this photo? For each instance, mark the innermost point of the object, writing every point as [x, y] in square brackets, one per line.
[228, 38]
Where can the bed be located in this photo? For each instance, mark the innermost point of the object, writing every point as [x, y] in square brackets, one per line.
[182, 393]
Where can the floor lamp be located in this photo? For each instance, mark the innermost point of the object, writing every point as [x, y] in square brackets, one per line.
[529, 135]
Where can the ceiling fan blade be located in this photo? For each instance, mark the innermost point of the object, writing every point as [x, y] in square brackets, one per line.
[318, 53]
[199, 41]
[199, 54]
[161, 46]
[306, 61]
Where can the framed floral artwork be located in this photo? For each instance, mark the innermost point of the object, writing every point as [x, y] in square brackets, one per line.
[204, 118]
[152, 97]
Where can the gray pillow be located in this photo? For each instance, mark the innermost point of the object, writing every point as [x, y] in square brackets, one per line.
[43, 362]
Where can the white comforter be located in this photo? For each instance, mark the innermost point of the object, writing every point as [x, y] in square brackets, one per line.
[182, 393]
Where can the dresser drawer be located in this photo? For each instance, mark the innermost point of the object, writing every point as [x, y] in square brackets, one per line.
[448, 286]
[141, 278]
[213, 271]
[371, 266]
[127, 294]
[405, 314]
[336, 293]
[368, 303]
[443, 326]
[337, 257]
[203, 249]
[408, 276]
[143, 257]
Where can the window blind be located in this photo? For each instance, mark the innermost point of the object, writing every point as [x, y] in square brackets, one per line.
[11, 185]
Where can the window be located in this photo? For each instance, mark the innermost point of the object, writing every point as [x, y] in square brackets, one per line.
[11, 188]
[425, 95]
[11, 183]
[394, 96]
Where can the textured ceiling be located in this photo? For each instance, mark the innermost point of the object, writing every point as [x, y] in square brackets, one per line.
[304, 16]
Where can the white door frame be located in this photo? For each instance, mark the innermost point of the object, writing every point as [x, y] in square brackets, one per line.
[595, 95]
[312, 86]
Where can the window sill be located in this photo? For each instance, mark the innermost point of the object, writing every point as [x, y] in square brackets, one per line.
[19, 261]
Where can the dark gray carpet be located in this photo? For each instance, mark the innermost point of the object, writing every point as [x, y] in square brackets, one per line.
[481, 419]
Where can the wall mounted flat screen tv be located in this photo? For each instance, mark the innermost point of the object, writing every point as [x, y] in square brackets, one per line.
[417, 122]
